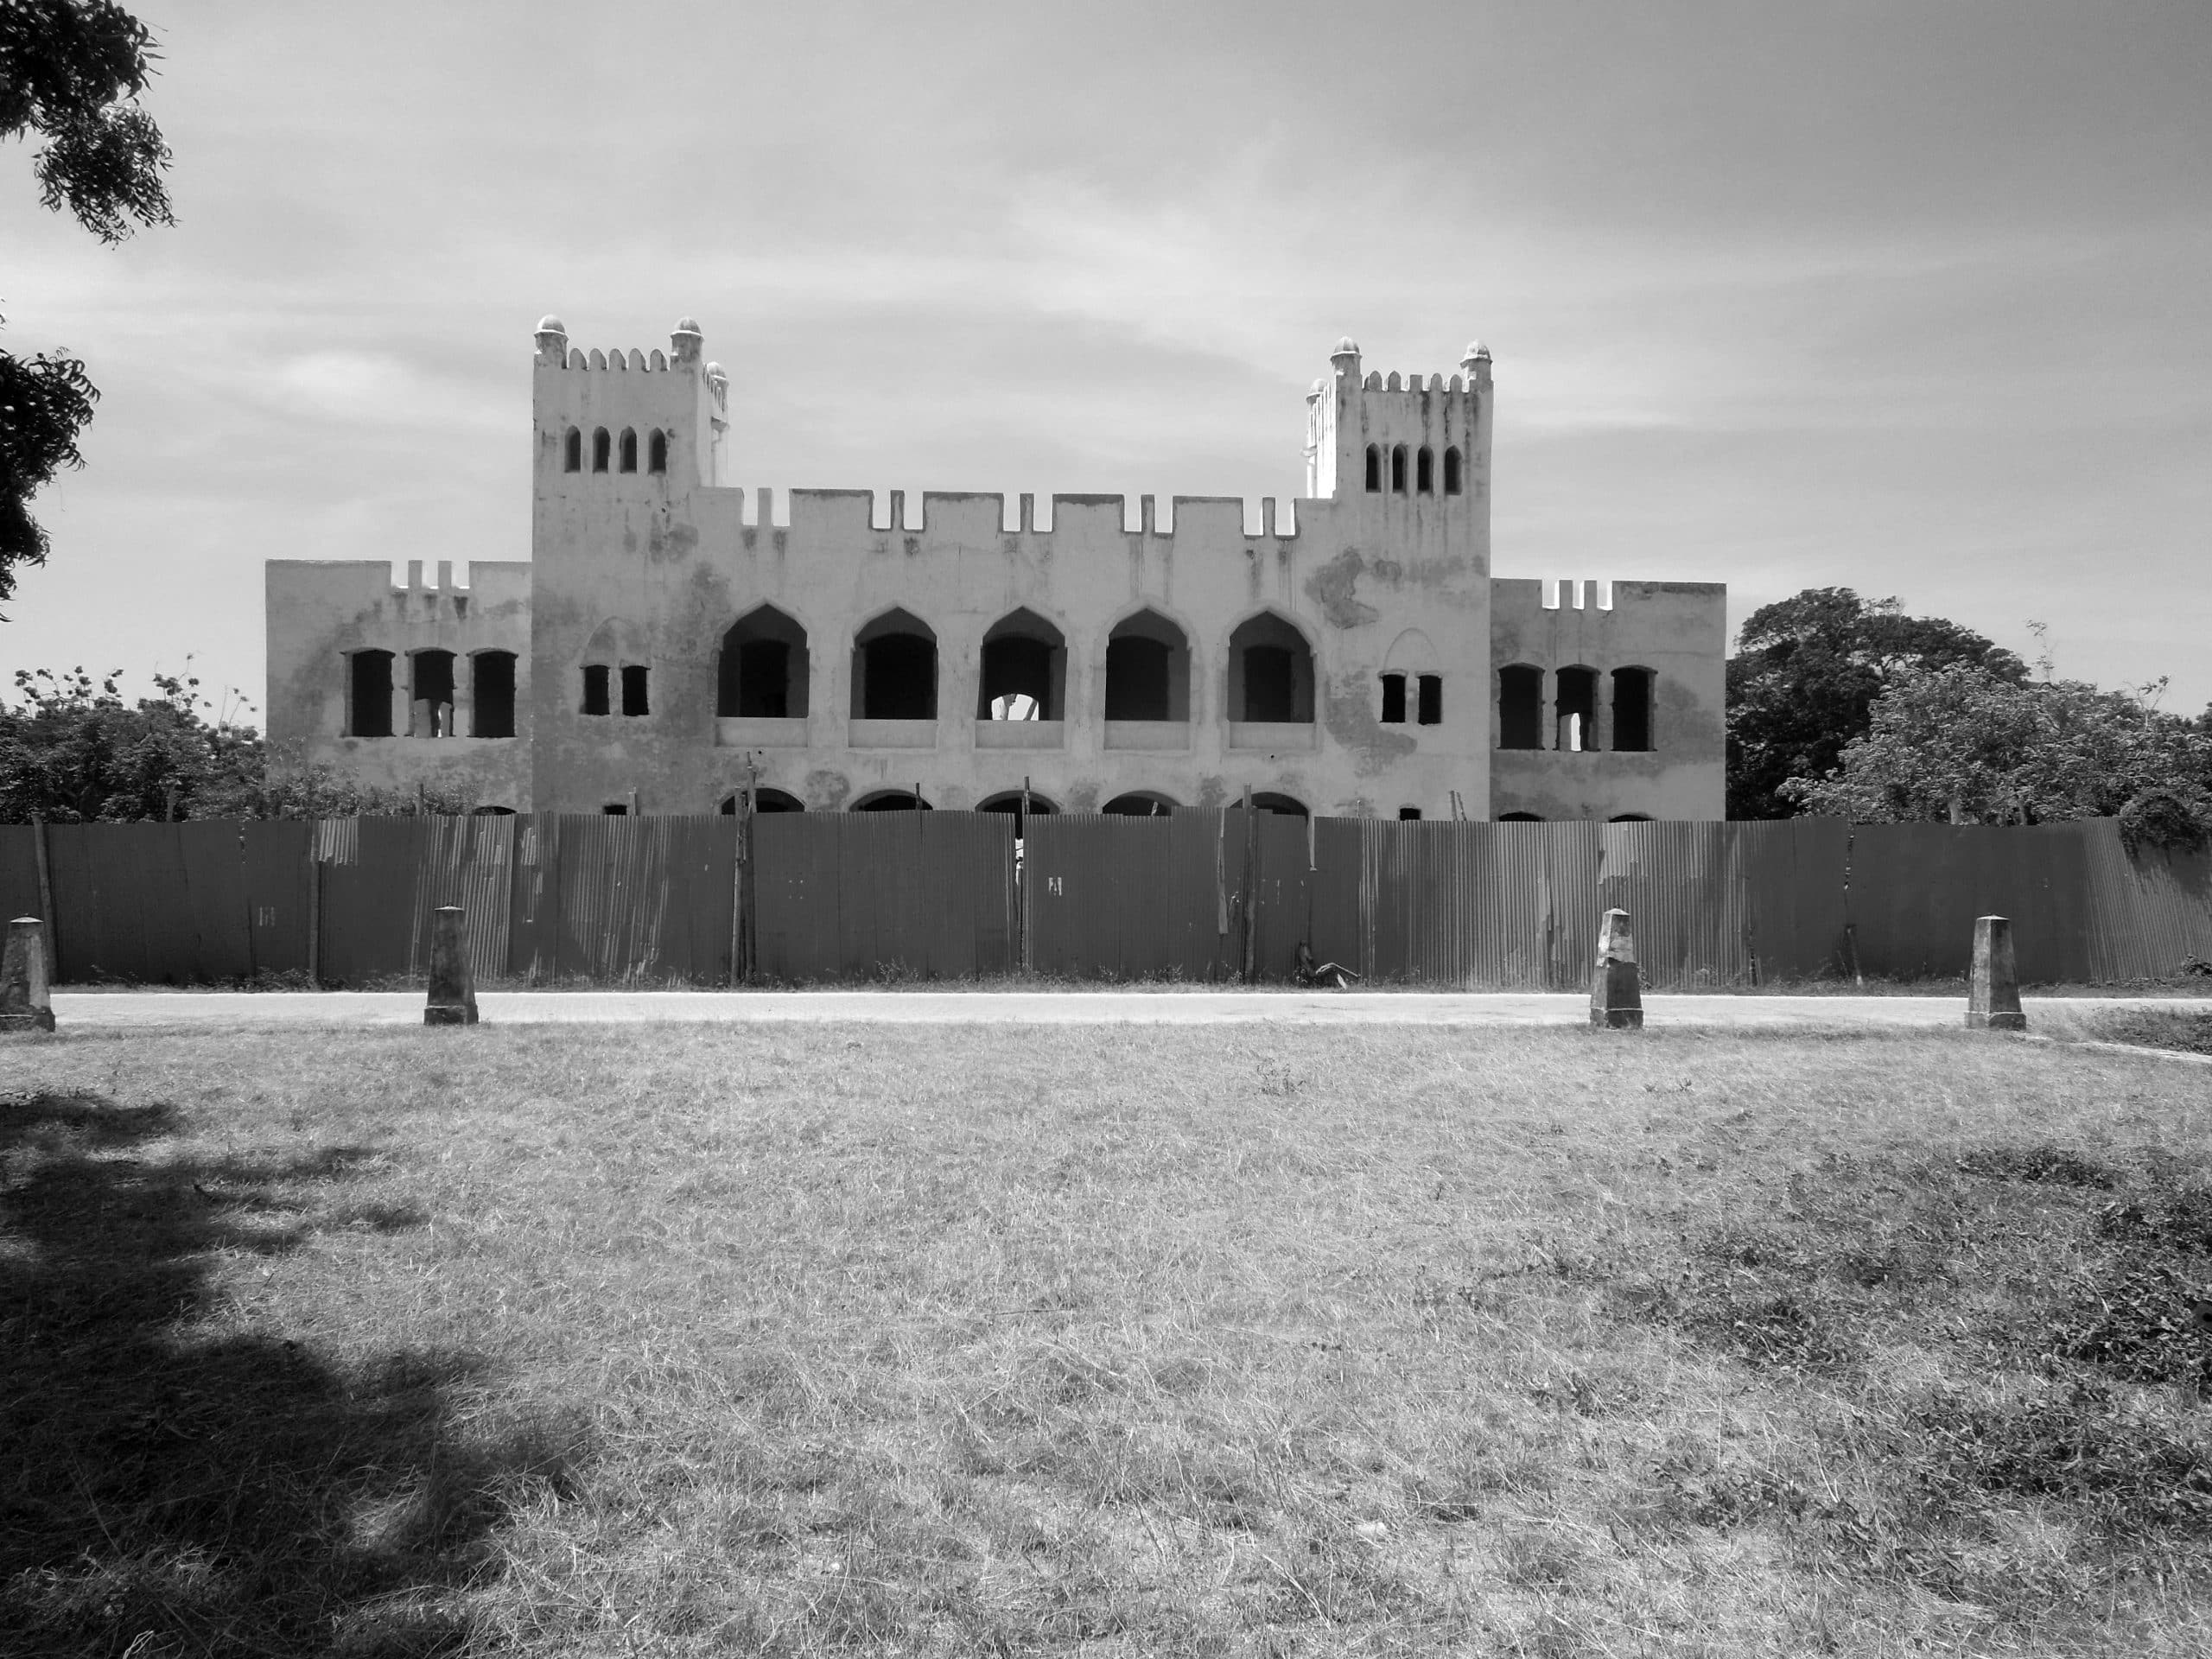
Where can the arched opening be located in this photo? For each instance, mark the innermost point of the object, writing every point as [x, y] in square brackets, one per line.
[1148, 670]
[1375, 469]
[1575, 708]
[1025, 669]
[1398, 469]
[1520, 706]
[572, 452]
[615, 810]
[1288, 806]
[656, 452]
[1633, 689]
[1409, 815]
[765, 800]
[491, 813]
[1393, 700]
[595, 698]
[1452, 483]
[492, 694]
[429, 694]
[601, 446]
[894, 669]
[1270, 672]
[1630, 817]
[1520, 817]
[629, 449]
[1425, 471]
[1009, 800]
[368, 694]
[892, 800]
[1141, 803]
[762, 671]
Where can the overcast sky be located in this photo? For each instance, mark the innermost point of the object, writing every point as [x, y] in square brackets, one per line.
[1913, 298]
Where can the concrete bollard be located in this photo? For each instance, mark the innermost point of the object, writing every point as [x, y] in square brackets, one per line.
[453, 986]
[1993, 993]
[1616, 994]
[24, 1003]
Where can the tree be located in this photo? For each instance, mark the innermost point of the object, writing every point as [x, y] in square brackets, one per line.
[1964, 745]
[71, 70]
[1805, 678]
[73, 752]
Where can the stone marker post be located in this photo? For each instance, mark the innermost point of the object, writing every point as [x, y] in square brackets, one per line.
[1616, 994]
[24, 1004]
[453, 986]
[1993, 993]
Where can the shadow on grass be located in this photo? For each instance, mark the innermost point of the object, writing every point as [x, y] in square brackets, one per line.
[168, 1492]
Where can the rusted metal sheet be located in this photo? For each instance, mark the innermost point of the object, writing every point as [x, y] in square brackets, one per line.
[927, 894]
[279, 869]
[795, 890]
[1682, 886]
[1793, 872]
[639, 900]
[18, 871]
[468, 862]
[151, 902]
[1130, 898]
[1915, 889]
[2147, 914]
[370, 874]
[1282, 898]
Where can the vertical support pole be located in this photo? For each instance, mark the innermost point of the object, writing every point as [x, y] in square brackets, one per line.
[315, 908]
[25, 1004]
[1993, 993]
[1028, 959]
[1250, 886]
[1616, 992]
[630, 795]
[452, 983]
[45, 897]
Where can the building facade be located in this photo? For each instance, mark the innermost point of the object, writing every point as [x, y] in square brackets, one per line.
[670, 642]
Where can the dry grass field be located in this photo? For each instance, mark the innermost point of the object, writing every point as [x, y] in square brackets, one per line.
[1101, 1341]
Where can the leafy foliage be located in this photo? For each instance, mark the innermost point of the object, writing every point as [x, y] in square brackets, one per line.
[72, 71]
[75, 752]
[1807, 674]
[1964, 745]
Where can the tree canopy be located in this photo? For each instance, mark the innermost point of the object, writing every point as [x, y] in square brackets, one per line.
[71, 70]
[73, 751]
[1807, 674]
[1963, 744]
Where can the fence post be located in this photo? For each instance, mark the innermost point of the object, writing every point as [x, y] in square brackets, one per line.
[46, 899]
[452, 1000]
[24, 1003]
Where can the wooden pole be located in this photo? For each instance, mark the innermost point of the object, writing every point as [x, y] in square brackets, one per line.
[1251, 885]
[47, 916]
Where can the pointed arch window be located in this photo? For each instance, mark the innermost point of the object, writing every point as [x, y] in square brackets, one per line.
[1398, 470]
[1425, 471]
[572, 452]
[1452, 482]
[629, 450]
[602, 446]
[1375, 469]
[656, 452]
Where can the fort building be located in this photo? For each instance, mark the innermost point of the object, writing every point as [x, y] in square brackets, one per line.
[674, 638]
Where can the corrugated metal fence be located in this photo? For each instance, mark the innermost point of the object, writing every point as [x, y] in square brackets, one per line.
[1202, 895]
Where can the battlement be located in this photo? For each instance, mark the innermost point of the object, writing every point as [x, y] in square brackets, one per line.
[978, 514]
[1413, 384]
[687, 348]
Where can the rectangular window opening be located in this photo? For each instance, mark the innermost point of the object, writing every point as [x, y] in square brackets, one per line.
[491, 675]
[594, 689]
[1394, 699]
[1431, 712]
[633, 690]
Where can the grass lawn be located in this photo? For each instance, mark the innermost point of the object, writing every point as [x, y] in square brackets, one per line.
[1109, 1341]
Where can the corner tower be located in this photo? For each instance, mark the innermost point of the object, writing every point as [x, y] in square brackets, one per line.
[628, 420]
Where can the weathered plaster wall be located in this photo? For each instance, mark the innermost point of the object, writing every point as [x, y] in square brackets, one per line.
[1678, 629]
[319, 612]
[652, 571]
